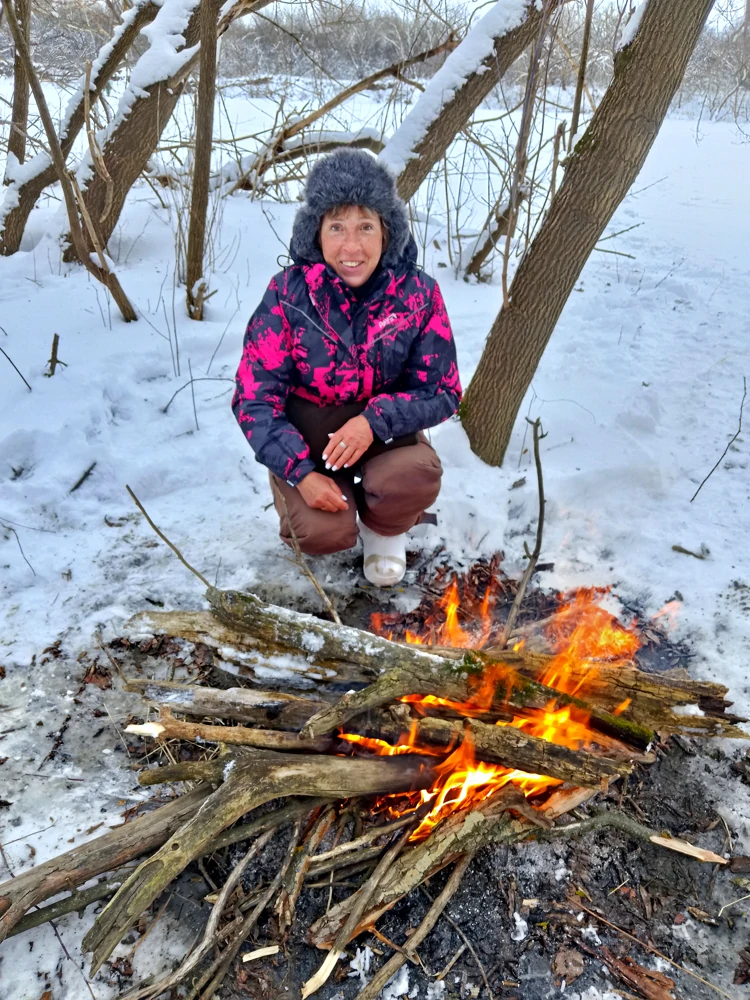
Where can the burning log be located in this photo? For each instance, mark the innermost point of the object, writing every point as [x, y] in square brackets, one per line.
[508, 746]
[250, 779]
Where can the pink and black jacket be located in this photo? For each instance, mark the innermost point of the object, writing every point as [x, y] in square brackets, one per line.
[311, 336]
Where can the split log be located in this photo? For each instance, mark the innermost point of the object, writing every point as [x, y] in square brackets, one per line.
[104, 854]
[270, 709]
[253, 778]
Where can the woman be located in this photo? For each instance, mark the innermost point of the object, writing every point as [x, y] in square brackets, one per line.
[348, 358]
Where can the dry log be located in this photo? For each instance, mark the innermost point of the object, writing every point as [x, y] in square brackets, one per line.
[270, 709]
[104, 854]
[246, 652]
[251, 779]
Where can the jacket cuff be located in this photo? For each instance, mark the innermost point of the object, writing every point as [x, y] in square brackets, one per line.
[378, 423]
[298, 473]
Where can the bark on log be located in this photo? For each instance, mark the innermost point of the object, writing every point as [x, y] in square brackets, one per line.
[455, 112]
[269, 709]
[235, 644]
[254, 778]
[21, 199]
[598, 175]
[105, 853]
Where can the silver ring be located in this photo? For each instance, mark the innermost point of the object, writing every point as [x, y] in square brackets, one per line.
[341, 444]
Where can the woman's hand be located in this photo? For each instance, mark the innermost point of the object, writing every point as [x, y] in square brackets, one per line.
[348, 444]
[321, 493]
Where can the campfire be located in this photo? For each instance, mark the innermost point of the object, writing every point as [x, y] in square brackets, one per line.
[452, 735]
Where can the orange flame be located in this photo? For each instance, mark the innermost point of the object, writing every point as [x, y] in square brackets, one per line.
[582, 635]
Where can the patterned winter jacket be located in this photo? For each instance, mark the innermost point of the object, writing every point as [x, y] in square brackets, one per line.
[310, 336]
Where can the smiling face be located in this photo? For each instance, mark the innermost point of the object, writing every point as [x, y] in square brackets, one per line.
[352, 240]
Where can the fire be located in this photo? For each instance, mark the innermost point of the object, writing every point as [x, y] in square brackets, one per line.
[581, 635]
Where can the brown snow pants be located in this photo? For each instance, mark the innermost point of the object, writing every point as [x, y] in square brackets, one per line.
[397, 485]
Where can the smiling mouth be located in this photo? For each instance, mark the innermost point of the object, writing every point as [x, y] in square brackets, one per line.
[352, 263]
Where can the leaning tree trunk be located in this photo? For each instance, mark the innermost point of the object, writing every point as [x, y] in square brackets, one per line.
[20, 112]
[444, 119]
[21, 199]
[128, 148]
[197, 287]
[601, 170]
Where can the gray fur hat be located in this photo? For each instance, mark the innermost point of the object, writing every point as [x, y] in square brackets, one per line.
[349, 177]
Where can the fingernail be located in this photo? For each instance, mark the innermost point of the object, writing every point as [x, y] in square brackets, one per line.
[344, 498]
[346, 465]
[330, 435]
[325, 458]
[334, 468]
[327, 465]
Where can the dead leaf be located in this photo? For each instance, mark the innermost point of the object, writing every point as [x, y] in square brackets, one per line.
[568, 964]
[47, 995]
[650, 984]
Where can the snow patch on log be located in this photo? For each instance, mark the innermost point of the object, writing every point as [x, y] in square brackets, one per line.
[464, 61]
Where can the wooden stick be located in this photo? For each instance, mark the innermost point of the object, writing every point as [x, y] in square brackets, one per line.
[169, 728]
[399, 958]
[532, 556]
[256, 777]
[161, 534]
[343, 937]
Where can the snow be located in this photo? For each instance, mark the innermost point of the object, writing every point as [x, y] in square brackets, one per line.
[631, 27]
[458, 67]
[639, 391]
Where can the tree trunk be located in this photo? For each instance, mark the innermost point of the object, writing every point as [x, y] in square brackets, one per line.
[20, 112]
[448, 118]
[21, 199]
[127, 150]
[601, 170]
[197, 286]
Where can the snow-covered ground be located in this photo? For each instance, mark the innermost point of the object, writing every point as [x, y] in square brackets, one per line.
[639, 391]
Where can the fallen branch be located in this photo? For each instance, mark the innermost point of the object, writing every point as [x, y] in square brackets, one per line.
[729, 443]
[251, 779]
[161, 534]
[104, 854]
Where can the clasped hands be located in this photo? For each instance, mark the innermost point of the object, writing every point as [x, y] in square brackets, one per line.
[344, 449]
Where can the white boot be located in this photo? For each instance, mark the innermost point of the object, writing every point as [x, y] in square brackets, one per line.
[384, 558]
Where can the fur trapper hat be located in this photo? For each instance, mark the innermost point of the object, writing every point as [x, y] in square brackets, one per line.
[349, 177]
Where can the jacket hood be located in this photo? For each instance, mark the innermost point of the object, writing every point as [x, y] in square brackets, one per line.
[351, 177]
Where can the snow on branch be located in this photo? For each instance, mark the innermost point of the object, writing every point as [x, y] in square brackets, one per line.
[464, 61]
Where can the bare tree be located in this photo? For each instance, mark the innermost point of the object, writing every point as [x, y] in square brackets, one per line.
[20, 112]
[197, 286]
[599, 173]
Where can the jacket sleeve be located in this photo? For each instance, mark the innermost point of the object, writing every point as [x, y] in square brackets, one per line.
[430, 390]
[263, 382]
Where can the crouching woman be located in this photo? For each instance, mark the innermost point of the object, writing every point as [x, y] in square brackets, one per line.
[346, 361]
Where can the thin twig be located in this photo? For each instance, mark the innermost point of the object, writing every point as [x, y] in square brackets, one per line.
[9, 528]
[79, 482]
[654, 951]
[466, 944]
[349, 928]
[729, 444]
[533, 556]
[395, 962]
[300, 557]
[164, 538]
[192, 391]
[17, 369]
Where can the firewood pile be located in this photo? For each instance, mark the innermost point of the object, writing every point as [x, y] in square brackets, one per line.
[445, 741]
